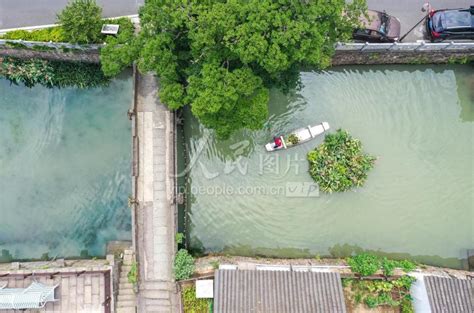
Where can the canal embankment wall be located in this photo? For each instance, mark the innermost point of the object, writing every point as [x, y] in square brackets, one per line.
[205, 266]
[52, 51]
[420, 52]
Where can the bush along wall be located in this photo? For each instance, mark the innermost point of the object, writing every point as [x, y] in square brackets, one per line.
[52, 73]
[56, 33]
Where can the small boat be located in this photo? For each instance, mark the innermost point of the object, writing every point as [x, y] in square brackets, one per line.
[298, 136]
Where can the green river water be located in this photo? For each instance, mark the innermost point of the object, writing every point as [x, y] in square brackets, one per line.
[418, 201]
[64, 169]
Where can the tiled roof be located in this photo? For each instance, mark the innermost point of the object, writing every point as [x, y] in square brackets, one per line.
[450, 295]
[266, 291]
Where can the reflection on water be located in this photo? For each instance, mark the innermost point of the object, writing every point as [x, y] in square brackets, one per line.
[64, 169]
[418, 200]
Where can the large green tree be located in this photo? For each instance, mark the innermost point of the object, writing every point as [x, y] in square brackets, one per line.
[221, 57]
[81, 21]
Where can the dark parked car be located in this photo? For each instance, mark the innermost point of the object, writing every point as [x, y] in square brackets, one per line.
[450, 24]
[379, 27]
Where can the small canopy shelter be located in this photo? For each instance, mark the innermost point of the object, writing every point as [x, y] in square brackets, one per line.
[33, 297]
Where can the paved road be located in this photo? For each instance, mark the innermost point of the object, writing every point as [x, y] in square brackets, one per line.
[22, 13]
[409, 12]
[18, 13]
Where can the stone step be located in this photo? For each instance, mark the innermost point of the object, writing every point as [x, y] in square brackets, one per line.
[124, 269]
[126, 310]
[126, 304]
[125, 286]
[123, 279]
[128, 252]
[157, 302]
[126, 297]
[156, 294]
[158, 310]
[159, 285]
[126, 291]
[128, 259]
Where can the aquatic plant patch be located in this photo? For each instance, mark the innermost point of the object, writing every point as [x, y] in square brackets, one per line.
[52, 73]
[339, 164]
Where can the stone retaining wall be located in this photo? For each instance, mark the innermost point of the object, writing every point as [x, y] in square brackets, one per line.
[340, 57]
[401, 57]
[91, 56]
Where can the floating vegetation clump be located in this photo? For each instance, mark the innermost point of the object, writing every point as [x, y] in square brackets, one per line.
[339, 164]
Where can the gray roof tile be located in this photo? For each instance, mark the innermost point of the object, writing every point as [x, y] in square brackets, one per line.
[243, 291]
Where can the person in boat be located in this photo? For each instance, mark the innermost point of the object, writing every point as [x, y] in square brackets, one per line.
[277, 141]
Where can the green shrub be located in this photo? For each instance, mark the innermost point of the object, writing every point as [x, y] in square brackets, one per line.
[338, 164]
[81, 20]
[364, 264]
[293, 139]
[371, 301]
[388, 266]
[116, 54]
[404, 282]
[179, 238]
[183, 266]
[132, 276]
[406, 306]
[52, 73]
[193, 305]
[375, 293]
[407, 266]
[215, 264]
[54, 34]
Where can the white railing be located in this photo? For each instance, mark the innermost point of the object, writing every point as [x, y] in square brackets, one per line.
[52, 45]
[420, 45]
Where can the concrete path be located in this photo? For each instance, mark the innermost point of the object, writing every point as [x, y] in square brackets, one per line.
[155, 194]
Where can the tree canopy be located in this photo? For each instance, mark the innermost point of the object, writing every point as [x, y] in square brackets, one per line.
[81, 21]
[221, 57]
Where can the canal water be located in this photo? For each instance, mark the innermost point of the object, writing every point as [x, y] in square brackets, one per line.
[418, 201]
[64, 169]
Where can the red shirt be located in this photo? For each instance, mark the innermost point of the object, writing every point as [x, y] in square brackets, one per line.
[278, 141]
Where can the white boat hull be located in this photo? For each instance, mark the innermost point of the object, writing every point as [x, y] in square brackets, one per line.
[303, 134]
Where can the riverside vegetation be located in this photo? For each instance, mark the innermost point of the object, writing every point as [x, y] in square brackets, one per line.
[373, 293]
[221, 57]
[80, 22]
[52, 73]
